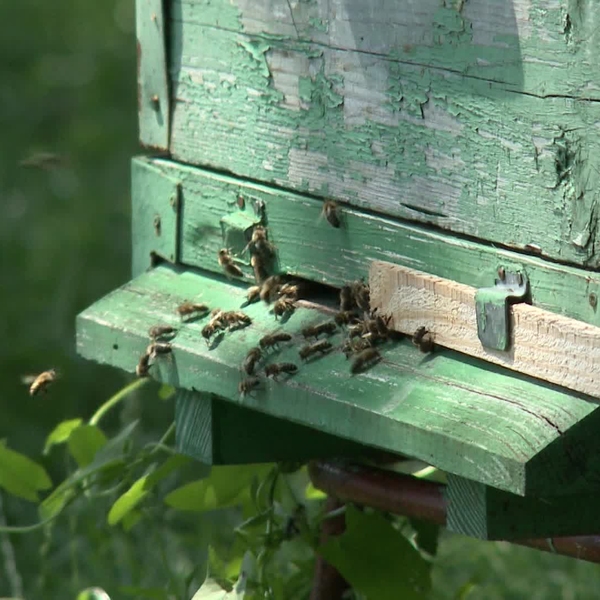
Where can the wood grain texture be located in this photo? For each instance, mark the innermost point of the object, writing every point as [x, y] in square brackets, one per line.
[420, 140]
[487, 513]
[464, 416]
[217, 432]
[310, 248]
[154, 217]
[153, 84]
[544, 345]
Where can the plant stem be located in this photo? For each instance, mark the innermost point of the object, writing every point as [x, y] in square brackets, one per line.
[114, 400]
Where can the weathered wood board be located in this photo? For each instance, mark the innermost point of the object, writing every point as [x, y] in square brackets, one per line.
[513, 159]
[490, 514]
[312, 249]
[464, 416]
[544, 345]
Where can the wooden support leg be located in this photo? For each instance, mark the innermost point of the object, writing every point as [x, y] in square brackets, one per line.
[328, 584]
[218, 432]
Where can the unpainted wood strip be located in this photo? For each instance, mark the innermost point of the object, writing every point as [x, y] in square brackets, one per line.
[544, 345]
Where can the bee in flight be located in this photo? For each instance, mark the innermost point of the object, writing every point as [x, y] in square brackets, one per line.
[40, 383]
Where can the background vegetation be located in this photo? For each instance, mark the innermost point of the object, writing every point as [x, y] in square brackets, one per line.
[68, 88]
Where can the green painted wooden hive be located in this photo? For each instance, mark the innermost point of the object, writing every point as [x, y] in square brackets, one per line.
[460, 143]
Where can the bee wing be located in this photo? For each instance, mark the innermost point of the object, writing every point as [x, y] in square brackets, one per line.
[28, 379]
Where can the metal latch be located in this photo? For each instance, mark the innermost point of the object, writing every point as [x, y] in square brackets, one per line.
[492, 308]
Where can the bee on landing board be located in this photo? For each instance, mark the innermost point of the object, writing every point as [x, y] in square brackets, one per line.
[275, 369]
[142, 369]
[271, 340]
[253, 356]
[322, 346]
[186, 309]
[283, 306]
[269, 288]
[247, 385]
[161, 331]
[40, 383]
[364, 360]
[423, 339]
[315, 331]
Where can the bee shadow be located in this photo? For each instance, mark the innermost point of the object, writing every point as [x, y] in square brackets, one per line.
[216, 341]
[194, 318]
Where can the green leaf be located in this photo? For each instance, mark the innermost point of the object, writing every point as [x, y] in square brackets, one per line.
[225, 568]
[377, 559]
[166, 391]
[427, 535]
[464, 591]
[84, 442]
[312, 493]
[142, 487]
[146, 593]
[224, 487]
[60, 434]
[211, 590]
[131, 519]
[21, 476]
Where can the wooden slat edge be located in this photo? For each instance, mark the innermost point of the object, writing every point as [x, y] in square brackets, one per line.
[545, 345]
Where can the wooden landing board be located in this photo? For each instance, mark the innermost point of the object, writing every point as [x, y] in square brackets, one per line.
[544, 345]
[464, 416]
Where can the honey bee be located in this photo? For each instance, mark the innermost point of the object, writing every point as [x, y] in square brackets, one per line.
[283, 306]
[376, 327]
[328, 327]
[41, 383]
[258, 266]
[361, 295]
[269, 288]
[210, 329]
[321, 346]
[289, 290]
[330, 212]
[346, 299]
[365, 359]
[350, 346]
[185, 309]
[156, 348]
[259, 244]
[247, 385]
[161, 331]
[278, 368]
[253, 294]
[234, 319]
[423, 339]
[227, 264]
[143, 366]
[268, 341]
[346, 317]
[253, 356]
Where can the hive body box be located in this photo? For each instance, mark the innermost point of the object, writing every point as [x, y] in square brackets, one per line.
[458, 138]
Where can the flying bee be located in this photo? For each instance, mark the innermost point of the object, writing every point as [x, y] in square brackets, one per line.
[253, 356]
[322, 346]
[185, 309]
[365, 359]
[268, 341]
[350, 346]
[227, 264]
[258, 266]
[161, 331]
[259, 244]
[234, 319]
[40, 383]
[247, 385]
[328, 327]
[278, 368]
[283, 306]
[269, 288]
[346, 317]
[156, 348]
[330, 212]
[253, 294]
[289, 290]
[423, 339]
[143, 366]
[346, 299]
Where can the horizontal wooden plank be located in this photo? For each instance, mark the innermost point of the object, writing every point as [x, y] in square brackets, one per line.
[217, 432]
[314, 250]
[534, 46]
[464, 416]
[405, 140]
[544, 345]
[487, 513]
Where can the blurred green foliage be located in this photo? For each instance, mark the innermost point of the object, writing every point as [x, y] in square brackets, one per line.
[68, 88]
